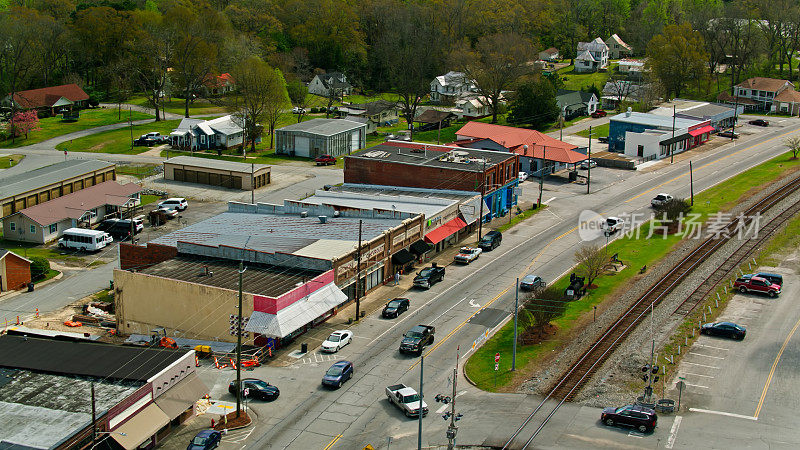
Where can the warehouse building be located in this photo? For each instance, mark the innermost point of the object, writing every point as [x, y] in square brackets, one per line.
[316, 137]
[24, 190]
[214, 172]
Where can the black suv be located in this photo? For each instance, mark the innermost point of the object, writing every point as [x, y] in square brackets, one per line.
[490, 241]
[119, 229]
[256, 388]
[416, 339]
[395, 307]
[428, 276]
[639, 417]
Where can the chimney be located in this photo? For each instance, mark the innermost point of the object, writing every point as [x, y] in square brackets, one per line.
[628, 112]
[323, 219]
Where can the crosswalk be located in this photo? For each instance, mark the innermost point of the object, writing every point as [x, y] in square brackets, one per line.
[317, 358]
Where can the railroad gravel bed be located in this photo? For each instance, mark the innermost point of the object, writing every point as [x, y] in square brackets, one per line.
[618, 380]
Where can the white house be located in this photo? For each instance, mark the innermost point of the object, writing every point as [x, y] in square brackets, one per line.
[576, 103]
[472, 107]
[198, 134]
[448, 87]
[324, 83]
[549, 55]
[617, 48]
[592, 56]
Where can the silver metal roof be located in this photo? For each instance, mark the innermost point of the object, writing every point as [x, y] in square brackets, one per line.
[45, 176]
[430, 206]
[324, 127]
[208, 163]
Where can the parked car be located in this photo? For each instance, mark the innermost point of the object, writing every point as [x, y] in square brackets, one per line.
[144, 142]
[168, 211]
[724, 329]
[603, 139]
[773, 278]
[639, 417]
[255, 388]
[757, 284]
[759, 123]
[407, 399]
[523, 176]
[178, 203]
[612, 225]
[338, 373]
[298, 110]
[588, 164]
[429, 276]
[120, 228]
[395, 307]
[660, 199]
[205, 440]
[467, 254]
[531, 282]
[324, 160]
[337, 340]
[599, 113]
[728, 134]
[417, 338]
[490, 241]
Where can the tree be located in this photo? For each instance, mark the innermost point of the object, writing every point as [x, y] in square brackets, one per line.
[496, 63]
[534, 103]
[539, 308]
[675, 57]
[40, 267]
[276, 108]
[298, 95]
[671, 212]
[152, 56]
[23, 122]
[591, 260]
[793, 143]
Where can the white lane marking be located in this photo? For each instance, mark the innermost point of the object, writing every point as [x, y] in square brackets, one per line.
[696, 385]
[701, 365]
[697, 375]
[673, 432]
[722, 413]
[473, 304]
[711, 346]
[447, 310]
[635, 434]
[706, 356]
[549, 200]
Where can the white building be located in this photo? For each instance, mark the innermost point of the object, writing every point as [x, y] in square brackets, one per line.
[592, 56]
[448, 87]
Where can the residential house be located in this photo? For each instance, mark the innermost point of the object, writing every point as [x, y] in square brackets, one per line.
[650, 136]
[198, 134]
[50, 100]
[576, 103]
[619, 91]
[327, 84]
[218, 84]
[549, 55]
[15, 271]
[445, 89]
[592, 56]
[317, 137]
[472, 106]
[617, 48]
[633, 68]
[47, 221]
[381, 113]
[764, 94]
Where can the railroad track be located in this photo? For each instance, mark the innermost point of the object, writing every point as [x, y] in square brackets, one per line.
[581, 371]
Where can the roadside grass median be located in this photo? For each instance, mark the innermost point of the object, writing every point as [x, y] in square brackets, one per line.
[601, 130]
[636, 250]
[177, 106]
[9, 161]
[117, 141]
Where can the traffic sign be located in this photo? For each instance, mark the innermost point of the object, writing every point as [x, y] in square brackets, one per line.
[497, 367]
[497, 357]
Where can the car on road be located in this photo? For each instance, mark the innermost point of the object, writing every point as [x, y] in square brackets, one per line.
[759, 122]
[255, 388]
[523, 176]
[728, 134]
[337, 340]
[603, 139]
[324, 160]
[417, 338]
[660, 199]
[612, 224]
[724, 329]
[407, 399]
[429, 276]
[531, 282]
[338, 373]
[599, 113]
[773, 278]
[178, 203]
[205, 440]
[639, 417]
[588, 164]
[490, 241]
[467, 254]
[758, 285]
[395, 307]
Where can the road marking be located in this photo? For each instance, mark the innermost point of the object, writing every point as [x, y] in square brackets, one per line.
[701, 365]
[722, 413]
[697, 375]
[673, 432]
[331, 443]
[635, 434]
[445, 406]
[549, 200]
[772, 370]
[696, 385]
[446, 311]
[711, 346]
[473, 304]
[706, 356]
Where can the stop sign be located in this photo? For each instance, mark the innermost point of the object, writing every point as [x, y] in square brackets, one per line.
[497, 357]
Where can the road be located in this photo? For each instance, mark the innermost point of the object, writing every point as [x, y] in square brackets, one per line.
[471, 300]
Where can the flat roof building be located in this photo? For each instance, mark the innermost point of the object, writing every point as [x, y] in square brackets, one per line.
[720, 115]
[650, 136]
[215, 172]
[316, 137]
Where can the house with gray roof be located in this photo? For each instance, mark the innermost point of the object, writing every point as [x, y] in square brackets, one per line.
[576, 103]
[592, 56]
[332, 83]
[317, 137]
[197, 134]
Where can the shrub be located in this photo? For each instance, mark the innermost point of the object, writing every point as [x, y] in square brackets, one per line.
[40, 267]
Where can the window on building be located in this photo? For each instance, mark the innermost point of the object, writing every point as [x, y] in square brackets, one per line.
[53, 228]
[13, 226]
[33, 228]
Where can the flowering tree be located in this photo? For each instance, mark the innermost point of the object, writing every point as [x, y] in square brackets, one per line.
[23, 122]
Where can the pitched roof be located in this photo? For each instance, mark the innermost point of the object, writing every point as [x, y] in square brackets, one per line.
[372, 108]
[75, 205]
[595, 45]
[789, 96]
[514, 139]
[323, 127]
[4, 253]
[334, 79]
[566, 97]
[764, 84]
[45, 176]
[614, 37]
[585, 56]
[452, 78]
[433, 116]
[728, 98]
[47, 97]
[550, 51]
[225, 125]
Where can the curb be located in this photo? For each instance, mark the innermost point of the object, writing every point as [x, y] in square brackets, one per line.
[24, 291]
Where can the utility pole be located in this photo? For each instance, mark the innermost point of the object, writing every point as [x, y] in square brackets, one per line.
[252, 184]
[672, 145]
[649, 389]
[94, 419]
[358, 272]
[239, 345]
[130, 124]
[561, 126]
[419, 415]
[589, 165]
[131, 210]
[516, 308]
[483, 193]
[541, 176]
[452, 429]
[691, 183]
[439, 133]
[735, 111]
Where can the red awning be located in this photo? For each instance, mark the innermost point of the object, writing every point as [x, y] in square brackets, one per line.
[702, 130]
[444, 231]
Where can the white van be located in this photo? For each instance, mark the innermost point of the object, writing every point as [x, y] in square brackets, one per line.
[84, 239]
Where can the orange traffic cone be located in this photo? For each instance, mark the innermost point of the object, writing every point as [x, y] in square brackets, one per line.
[37, 313]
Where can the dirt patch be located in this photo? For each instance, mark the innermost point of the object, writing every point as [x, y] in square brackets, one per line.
[54, 320]
[234, 422]
[96, 148]
[537, 335]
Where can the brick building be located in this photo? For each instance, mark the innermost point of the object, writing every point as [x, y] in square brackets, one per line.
[15, 271]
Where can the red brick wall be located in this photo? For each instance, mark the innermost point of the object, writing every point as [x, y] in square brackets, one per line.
[135, 256]
[364, 171]
[18, 272]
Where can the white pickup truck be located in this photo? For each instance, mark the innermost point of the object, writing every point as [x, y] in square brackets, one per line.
[407, 399]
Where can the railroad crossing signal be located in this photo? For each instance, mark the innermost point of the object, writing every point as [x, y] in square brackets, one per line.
[497, 357]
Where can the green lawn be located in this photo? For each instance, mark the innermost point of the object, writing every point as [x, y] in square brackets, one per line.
[577, 81]
[90, 118]
[370, 98]
[29, 250]
[636, 251]
[117, 141]
[137, 170]
[602, 130]
[148, 199]
[176, 106]
[50, 274]
[10, 161]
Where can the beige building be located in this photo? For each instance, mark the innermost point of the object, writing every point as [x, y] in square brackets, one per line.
[214, 172]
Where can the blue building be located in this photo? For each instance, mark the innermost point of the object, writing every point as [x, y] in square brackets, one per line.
[637, 122]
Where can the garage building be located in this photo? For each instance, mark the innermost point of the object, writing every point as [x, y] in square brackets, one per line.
[317, 137]
[214, 172]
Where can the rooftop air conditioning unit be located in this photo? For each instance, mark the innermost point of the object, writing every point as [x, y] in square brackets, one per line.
[323, 219]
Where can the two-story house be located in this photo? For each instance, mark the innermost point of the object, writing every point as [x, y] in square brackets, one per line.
[617, 48]
[448, 87]
[765, 94]
[381, 113]
[330, 83]
[592, 56]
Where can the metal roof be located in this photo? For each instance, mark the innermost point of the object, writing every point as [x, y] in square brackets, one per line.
[48, 175]
[360, 200]
[299, 313]
[469, 159]
[324, 127]
[654, 120]
[209, 163]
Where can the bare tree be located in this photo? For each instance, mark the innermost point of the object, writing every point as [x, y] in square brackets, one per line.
[154, 52]
[793, 143]
[591, 260]
[540, 307]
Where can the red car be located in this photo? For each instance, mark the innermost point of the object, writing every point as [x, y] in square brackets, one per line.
[599, 113]
[757, 284]
[324, 160]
